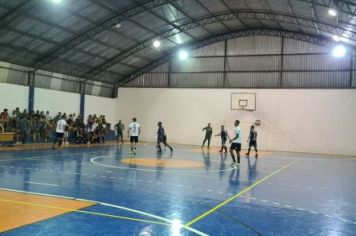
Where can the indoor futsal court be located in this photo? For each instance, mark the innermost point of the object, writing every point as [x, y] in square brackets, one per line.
[177, 117]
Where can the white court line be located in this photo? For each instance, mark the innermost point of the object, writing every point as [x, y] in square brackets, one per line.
[113, 206]
[45, 184]
[93, 161]
[52, 155]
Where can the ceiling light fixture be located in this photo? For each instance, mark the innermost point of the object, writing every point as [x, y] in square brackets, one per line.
[332, 12]
[183, 55]
[156, 44]
[339, 51]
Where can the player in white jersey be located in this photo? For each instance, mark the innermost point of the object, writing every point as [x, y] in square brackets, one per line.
[236, 144]
[133, 132]
[61, 124]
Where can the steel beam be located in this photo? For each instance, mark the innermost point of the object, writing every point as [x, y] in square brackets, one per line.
[244, 33]
[347, 7]
[277, 17]
[93, 31]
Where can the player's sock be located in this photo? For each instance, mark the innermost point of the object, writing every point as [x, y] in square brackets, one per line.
[233, 160]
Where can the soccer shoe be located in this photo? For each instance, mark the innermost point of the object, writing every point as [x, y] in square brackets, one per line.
[247, 154]
[256, 155]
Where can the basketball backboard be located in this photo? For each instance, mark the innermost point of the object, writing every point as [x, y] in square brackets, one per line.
[243, 101]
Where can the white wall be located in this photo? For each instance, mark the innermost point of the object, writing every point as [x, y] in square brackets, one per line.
[56, 101]
[101, 106]
[12, 96]
[317, 121]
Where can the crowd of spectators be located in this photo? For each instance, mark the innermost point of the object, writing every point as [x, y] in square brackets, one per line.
[40, 127]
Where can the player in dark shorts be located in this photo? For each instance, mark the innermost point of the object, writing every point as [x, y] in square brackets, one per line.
[133, 132]
[162, 138]
[236, 144]
[223, 135]
[60, 129]
[208, 134]
[252, 141]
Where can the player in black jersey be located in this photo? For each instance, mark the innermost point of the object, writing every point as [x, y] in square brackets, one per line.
[223, 135]
[252, 141]
[162, 138]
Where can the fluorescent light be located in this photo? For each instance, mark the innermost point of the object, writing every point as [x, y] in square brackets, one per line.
[57, 1]
[183, 55]
[339, 51]
[332, 12]
[118, 25]
[156, 44]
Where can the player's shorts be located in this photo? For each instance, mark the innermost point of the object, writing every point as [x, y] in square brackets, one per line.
[59, 135]
[223, 141]
[252, 143]
[119, 135]
[162, 139]
[236, 146]
[133, 139]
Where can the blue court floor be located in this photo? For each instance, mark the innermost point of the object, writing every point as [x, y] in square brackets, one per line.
[188, 193]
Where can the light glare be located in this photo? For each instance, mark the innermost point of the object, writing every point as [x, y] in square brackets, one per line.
[332, 12]
[176, 227]
[183, 55]
[156, 44]
[339, 51]
[57, 1]
[336, 38]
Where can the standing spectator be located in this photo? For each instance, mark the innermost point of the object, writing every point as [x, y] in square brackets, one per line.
[4, 117]
[36, 130]
[24, 127]
[48, 117]
[45, 129]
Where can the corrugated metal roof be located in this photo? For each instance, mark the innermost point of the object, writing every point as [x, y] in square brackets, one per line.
[92, 37]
